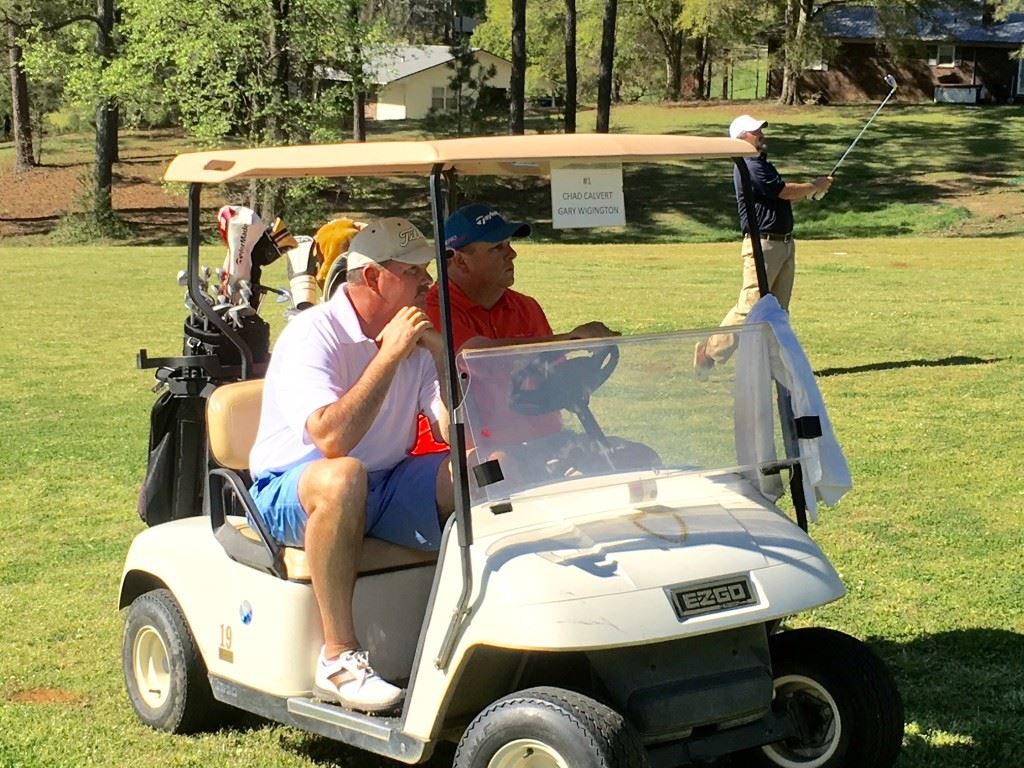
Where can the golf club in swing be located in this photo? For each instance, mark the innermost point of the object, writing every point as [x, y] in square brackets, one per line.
[891, 82]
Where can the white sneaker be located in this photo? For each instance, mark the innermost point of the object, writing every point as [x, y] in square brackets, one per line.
[355, 684]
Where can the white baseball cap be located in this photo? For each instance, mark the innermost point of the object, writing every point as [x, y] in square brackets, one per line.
[388, 239]
[745, 124]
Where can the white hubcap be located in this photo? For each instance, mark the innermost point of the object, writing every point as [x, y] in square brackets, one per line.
[527, 753]
[151, 667]
[823, 722]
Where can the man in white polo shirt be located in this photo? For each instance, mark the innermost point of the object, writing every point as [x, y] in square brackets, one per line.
[330, 463]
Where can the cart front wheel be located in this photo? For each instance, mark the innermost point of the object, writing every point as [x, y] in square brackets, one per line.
[164, 674]
[549, 728]
[842, 699]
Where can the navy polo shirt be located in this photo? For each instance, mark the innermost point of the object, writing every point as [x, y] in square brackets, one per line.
[773, 214]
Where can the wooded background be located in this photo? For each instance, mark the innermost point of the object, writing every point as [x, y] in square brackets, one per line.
[250, 71]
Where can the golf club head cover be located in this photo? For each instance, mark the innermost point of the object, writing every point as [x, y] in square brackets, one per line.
[265, 251]
[241, 229]
[302, 265]
[272, 243]
[332, 240]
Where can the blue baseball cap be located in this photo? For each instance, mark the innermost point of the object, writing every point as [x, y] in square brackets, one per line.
[479, 222]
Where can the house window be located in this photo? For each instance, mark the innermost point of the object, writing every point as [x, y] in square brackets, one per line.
[442, 99]
[818, 65]
[942, 55]
[437, 98]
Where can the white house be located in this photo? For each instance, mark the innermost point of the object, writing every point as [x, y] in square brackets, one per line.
[412, 80]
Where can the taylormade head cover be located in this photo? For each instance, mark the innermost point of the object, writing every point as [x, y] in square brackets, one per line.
[240, 228]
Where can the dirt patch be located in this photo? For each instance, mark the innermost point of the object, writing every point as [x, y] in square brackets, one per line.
[993, 202]
[994, 213]
[32, 204]
[46, 696]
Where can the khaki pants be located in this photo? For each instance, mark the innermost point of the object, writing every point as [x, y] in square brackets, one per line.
[780, 264]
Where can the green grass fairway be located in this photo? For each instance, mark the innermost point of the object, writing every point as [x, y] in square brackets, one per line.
[919, 347]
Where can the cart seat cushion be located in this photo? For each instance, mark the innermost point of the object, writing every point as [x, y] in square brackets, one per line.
[232, 418]
[377, 556]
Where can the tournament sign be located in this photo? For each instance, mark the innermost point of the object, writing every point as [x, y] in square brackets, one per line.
[587, 195]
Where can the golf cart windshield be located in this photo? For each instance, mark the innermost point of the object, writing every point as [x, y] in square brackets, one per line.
[540, 415]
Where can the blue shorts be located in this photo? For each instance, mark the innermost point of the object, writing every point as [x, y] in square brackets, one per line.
[400, 503]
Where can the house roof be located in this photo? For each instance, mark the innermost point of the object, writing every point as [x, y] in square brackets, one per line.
[530, 155]
[400, 62]
[961, 26]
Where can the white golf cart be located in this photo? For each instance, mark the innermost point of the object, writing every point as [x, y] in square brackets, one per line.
[610, 589]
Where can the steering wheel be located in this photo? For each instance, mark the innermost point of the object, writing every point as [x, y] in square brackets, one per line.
[554, 380]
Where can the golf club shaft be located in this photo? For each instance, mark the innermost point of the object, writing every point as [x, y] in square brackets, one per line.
[854, 142]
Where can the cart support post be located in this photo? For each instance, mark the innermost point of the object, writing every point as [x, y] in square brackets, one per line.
[457, 436]
[796, 483]
[752, 226]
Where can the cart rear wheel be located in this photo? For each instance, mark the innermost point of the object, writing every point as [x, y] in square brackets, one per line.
[843, 699]
[163, 671]
[549, 728]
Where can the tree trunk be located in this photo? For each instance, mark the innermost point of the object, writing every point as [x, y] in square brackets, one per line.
[700, 60]
[725, 78]
[604, 78]
[664, 22]
[570, 66]
[106, 118]
[798, 13]
[20, 120]
[271, 190]
[700, 91]
[358, 81]
[277, 50]
[36, 123]
[517, 81]
[358, 114]
[115, 129]
[103, 204]
[674, 68]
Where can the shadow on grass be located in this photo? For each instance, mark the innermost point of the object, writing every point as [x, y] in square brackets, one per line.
[888, 187]
[962, 697]
[897, 364]
[323, 751]
[898, 181]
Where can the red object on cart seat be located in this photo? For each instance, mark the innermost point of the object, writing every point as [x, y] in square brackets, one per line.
[425, 442]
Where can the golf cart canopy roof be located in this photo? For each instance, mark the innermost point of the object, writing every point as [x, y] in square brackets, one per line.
[490, 155]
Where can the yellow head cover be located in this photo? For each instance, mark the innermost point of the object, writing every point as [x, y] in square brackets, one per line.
[331, 241]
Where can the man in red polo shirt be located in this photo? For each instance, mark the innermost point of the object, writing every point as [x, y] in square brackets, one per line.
[486, 312]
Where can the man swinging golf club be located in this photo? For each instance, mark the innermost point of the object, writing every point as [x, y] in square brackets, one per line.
[773, 199]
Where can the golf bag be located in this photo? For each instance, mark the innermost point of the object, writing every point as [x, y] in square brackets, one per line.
[177, 464]
[178, 461]
[203, 338]
[176, 467]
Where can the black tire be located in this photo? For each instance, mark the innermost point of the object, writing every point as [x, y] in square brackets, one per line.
[843, 695]
[546, 725]
[164, 674]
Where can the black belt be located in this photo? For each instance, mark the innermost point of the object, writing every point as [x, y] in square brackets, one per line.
[777, 237]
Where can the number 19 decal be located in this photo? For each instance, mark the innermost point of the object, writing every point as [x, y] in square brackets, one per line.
[224, 651]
